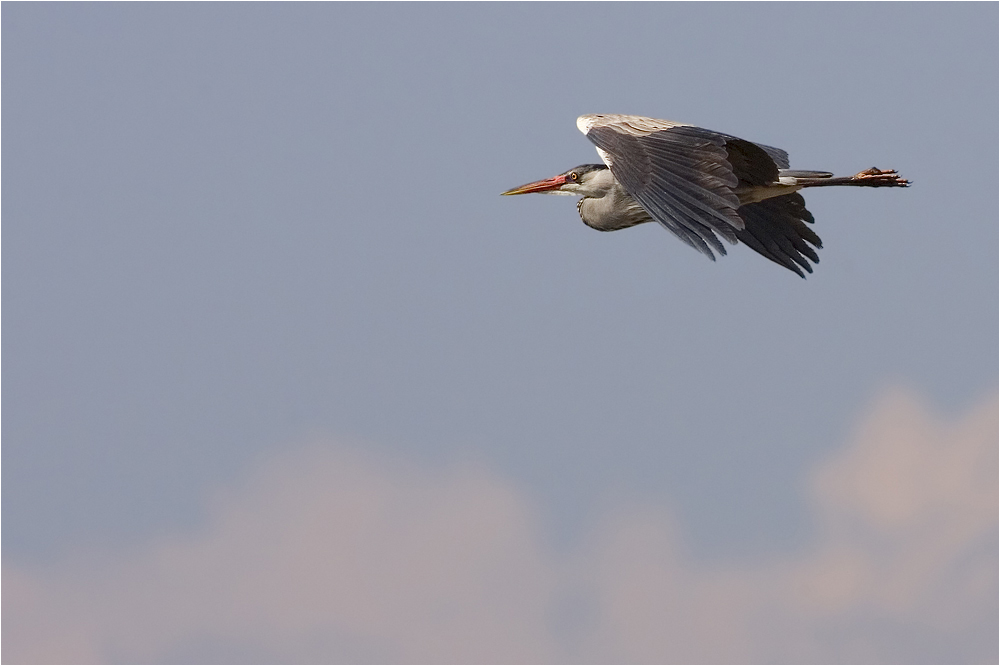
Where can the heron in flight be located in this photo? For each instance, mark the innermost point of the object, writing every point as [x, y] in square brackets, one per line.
[699, 184]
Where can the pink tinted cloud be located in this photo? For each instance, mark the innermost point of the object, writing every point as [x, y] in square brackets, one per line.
[328, 555]
[903, 567]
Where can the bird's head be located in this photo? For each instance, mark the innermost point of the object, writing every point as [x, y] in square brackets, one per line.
[587, 180]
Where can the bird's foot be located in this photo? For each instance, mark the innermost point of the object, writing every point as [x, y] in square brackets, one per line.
[876, 177]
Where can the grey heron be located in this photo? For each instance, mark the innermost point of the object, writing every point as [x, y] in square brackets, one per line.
[699, 184]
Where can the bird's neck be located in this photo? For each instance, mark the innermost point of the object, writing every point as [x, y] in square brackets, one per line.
[612, 210]
[599, 185]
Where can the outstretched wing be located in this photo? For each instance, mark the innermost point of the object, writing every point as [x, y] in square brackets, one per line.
[776, 228]
[683, 176]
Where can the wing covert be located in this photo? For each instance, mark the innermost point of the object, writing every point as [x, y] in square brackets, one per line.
[779, 156]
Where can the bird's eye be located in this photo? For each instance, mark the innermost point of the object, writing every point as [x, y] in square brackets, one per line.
[573, 176]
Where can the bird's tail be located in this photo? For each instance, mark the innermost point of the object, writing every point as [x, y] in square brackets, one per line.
[873, 177]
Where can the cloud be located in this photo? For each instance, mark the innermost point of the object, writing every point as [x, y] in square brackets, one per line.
[903, 567]
[320, 556]
[329, 555]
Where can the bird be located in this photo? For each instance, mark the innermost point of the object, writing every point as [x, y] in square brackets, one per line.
[701, 185]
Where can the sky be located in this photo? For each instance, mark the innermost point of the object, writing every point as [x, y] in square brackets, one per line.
[286, 380]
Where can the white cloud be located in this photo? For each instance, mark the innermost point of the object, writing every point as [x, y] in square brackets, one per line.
[328, 555]
[904, 567]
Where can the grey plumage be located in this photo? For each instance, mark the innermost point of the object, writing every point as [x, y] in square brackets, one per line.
[701, 185]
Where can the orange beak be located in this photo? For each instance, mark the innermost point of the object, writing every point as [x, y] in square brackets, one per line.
[546, 185]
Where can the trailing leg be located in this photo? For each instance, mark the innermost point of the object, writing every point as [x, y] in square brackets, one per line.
[873, 177]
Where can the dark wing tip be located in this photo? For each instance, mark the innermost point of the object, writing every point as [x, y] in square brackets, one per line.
[776, 228]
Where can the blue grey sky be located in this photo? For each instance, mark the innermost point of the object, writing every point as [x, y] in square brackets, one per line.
[236, 230]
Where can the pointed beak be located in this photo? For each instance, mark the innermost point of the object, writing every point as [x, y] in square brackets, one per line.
[546, 185]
